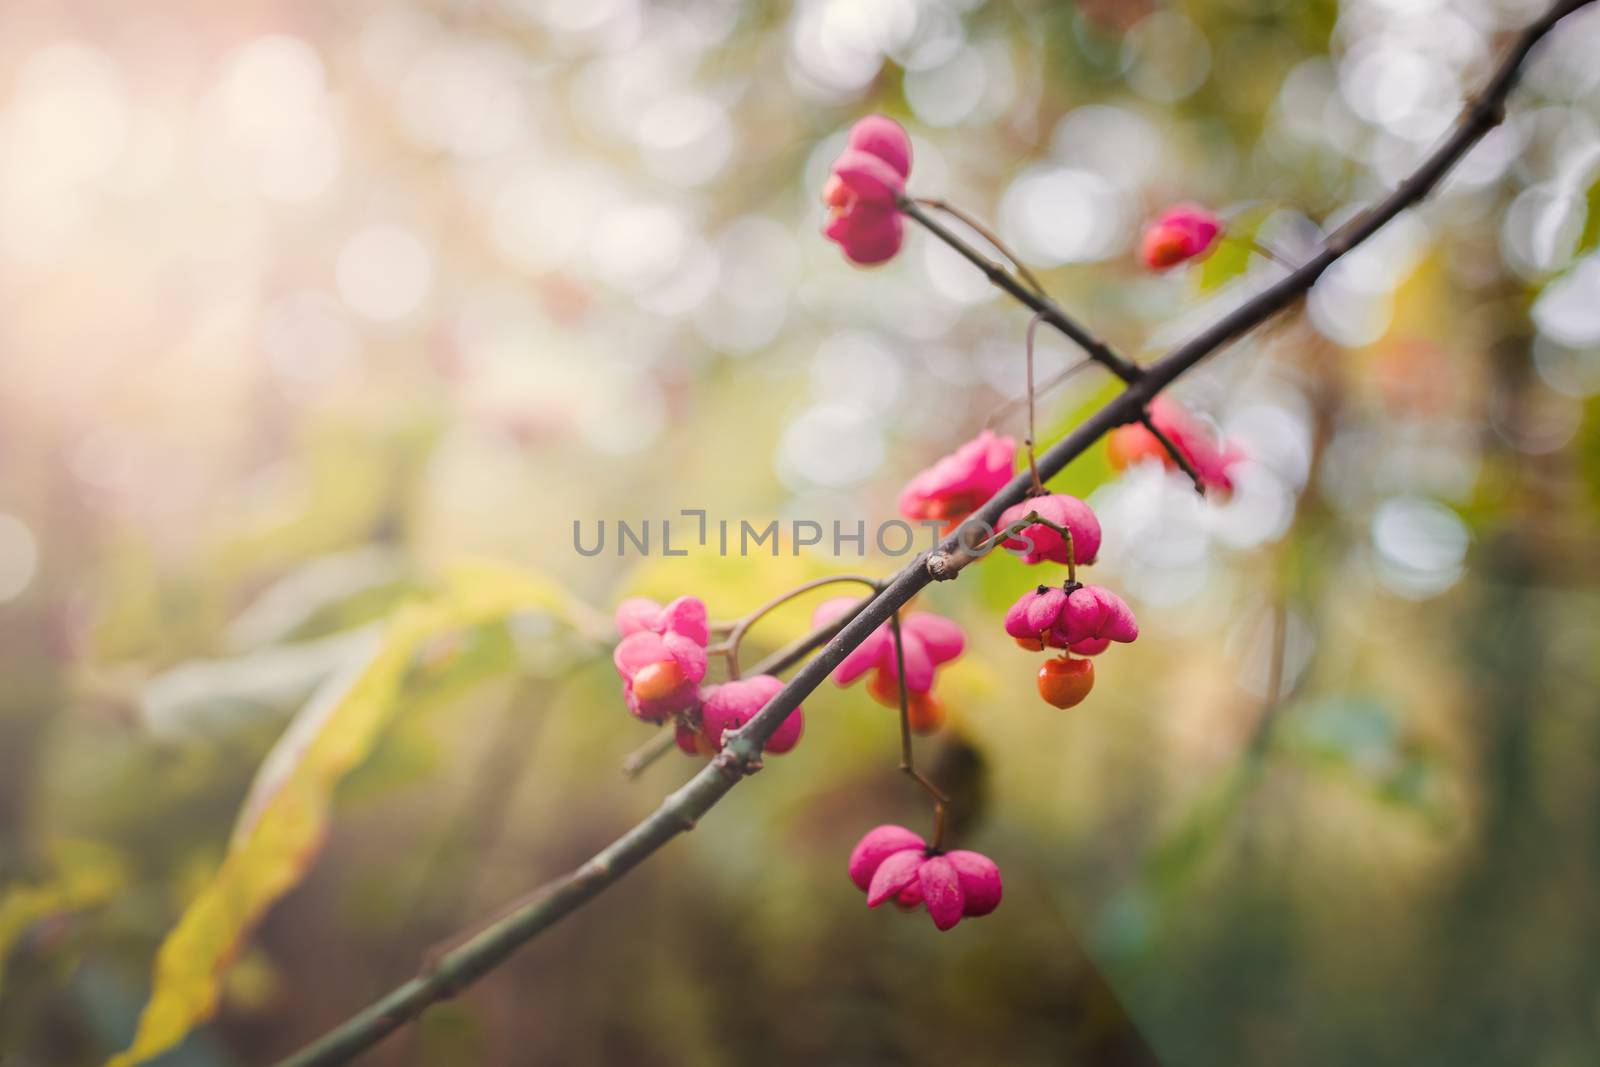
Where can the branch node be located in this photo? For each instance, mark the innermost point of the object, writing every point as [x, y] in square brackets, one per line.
[734, 766]
[433, 968]
[943, 566]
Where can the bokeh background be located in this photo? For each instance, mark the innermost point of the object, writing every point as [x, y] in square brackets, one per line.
[299, 302]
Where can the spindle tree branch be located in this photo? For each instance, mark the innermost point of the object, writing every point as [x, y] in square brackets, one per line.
[682, 809]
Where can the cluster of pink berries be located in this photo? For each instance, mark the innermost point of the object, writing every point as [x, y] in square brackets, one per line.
[1079, 620]
[662, 661]
[1074, 619]
[663, 653]
[868, 180]
[928, 642]
[662, 656]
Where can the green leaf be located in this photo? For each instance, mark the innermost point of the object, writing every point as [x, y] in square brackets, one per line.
[1362, 740]
[85, 875]
[1591, 221]
[1231, 256]
[1092, 469]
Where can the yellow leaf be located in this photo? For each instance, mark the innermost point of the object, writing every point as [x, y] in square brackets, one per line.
[485, 589]
[284, 819]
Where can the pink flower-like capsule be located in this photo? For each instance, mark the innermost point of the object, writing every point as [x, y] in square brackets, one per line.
[1043, 543]
[892, 863]
[1183, 232]
[961, 482]
[1084, 620]
[662, 655]
[1211, 460]
[729, 706]
[863, 186]
[930, 641]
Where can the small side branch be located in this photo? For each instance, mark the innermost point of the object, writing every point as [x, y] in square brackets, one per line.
[988, 235]
[1001, 278]
[1174, 451]
[663, 742]
[954, 556]
[1033, 462]
[742, 627]
[908, 763]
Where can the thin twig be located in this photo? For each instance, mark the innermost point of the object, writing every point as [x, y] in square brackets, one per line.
[798, 649]
[680, 810]
[1009, 406]
[1266, 250]
[1097, 349]
[908, 764]
[988, 235]
[1172, 450]
[801, 647]
[1033, 463]
[946, 563]
[743, 625]
[665, 740]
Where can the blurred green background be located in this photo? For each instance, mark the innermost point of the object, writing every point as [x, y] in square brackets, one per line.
[303, 302]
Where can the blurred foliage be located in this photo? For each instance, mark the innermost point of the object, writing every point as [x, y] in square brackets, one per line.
[283, 821]
[306, 302]
[83, 875]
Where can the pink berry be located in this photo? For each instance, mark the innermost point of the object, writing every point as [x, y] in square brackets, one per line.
[1182, 232]
[863, 190]
[892, 864]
